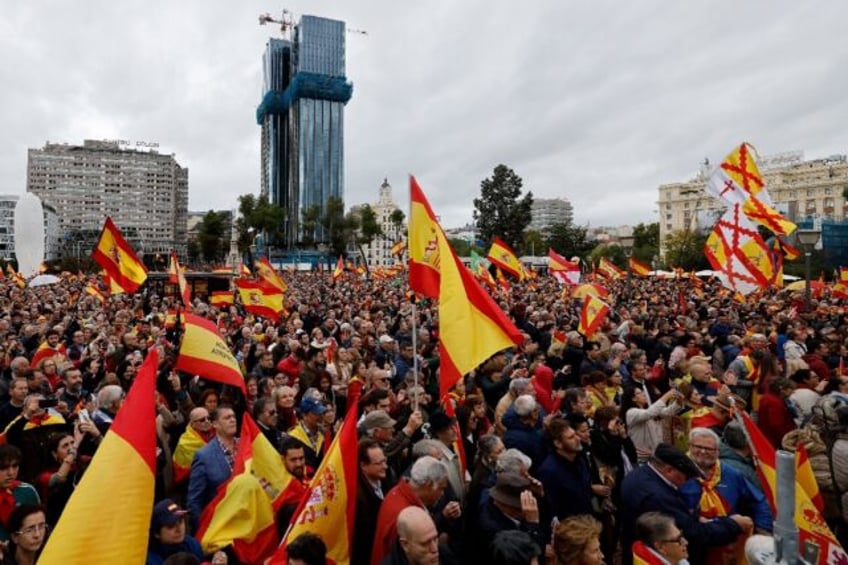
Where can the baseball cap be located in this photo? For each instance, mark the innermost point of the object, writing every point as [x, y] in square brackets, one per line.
[312, 405]
[386, 339]
[166, 513]
[378, 419]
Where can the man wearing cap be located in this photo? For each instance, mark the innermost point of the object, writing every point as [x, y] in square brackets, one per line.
[168, 535]
[379, 425]
[655, 487]
[510, 506]
[309, 431]
[385, 352]
[723, 490]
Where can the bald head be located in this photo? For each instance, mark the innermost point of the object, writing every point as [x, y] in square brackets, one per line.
[418, 536]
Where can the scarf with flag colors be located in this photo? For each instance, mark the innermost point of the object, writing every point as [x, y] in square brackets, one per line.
[813, 530]
[268, 275]
[244, 511]
[329, 507]
[592, 315]
[471, 324]
[737, 251]
[204, 353]
[118, 259]
[505, 258]
[643, 555]
[260, 299]
[126, 457]
[187, 446]
[177, 276]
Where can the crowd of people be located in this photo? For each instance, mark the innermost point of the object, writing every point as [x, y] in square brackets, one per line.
[564, 449]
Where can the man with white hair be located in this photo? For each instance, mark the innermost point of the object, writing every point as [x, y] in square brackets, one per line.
[425, 485]
[524, 429]
[517, 387]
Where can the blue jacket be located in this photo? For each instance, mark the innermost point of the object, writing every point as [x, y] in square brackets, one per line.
[742, 496]
[209, 469]
[568, 485]
[643, 490]
[158, 553]
[526, 438]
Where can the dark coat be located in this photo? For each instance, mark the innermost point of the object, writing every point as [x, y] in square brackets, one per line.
[526, 438]
[365, 526]
[568, 485]
[645, 491]
[491, 521]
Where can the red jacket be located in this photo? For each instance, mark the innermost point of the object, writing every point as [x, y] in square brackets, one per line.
[400, 497]
[774, 418]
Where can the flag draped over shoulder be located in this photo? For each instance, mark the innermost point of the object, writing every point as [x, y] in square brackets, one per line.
[423, 244]
[738, 252]
[118, 259]
[268, 275]
[244, 511]
[187, 446]
[328, 509]
[592, 315]
[504, 257]
[260, 299]
[204, 353]
[813, 530]
[121, 477]
[472, 327]
[176, 276]
[639, 268]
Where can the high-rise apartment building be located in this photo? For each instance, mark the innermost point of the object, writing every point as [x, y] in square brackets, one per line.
[548, 212]
[302, 118]
[144, 192]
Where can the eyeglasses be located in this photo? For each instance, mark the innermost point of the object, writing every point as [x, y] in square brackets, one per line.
[35, 528]
[204, 419]
[678, 539]
[704, 448]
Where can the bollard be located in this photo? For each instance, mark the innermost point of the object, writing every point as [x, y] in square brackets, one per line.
[785, 530]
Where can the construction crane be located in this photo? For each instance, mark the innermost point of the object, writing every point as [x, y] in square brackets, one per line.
[286, 22]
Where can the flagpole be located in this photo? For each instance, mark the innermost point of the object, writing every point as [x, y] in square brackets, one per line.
[415, 353]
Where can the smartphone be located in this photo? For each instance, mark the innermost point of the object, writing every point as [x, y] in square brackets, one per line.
[84, 416]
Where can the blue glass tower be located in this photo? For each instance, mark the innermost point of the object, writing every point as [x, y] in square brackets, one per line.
[302, 118]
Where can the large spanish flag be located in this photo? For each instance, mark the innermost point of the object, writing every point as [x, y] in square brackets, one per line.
[638, 268]
[328, 509]
[107, 519]
[267, 274]
[244, 511]
[118, 259]
[204, 353]
[592, 316]
[423, 245]
[260, 299]
[471, 324]
[504, 257]
[813, 530]
[176, 276]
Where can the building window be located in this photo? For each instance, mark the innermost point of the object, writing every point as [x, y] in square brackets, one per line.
[828, 191]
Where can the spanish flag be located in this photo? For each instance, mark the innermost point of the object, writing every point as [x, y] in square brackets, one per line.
[244, 271]
[504, 284]
[608, 269]
[221, 298]
[92, 290]
[187, 446]
[118, 259]
[86, 532]
[486, 276]
[337, 272]
[472, 326]
[398, 247]
[424, 260]
[204, 353]
[805, 477]
[813, 530]
[328, 508]
[267, 273]
[504, 257]
[176, 276]
[16, 276]
[44, 351]
[260, 299]
[638, 268]
[592, 316]
[244, 511]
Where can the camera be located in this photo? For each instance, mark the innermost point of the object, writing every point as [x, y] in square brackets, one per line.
[50, 401]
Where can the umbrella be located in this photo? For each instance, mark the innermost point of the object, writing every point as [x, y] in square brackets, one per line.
[589, 288]
[42, 280]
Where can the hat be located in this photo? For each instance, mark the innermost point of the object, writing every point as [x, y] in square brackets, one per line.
[439, 420]
[378, 419]
[508, 489]
[310, 405]
[386, 339]
[673, 457]
[299, 331]
[166, 513]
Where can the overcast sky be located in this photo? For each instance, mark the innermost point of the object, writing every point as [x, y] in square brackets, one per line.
[599, 102]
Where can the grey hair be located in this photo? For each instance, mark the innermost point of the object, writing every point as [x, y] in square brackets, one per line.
[109, 395]
[513, 460]
[427, 471]
[652, 527]
[519, 384]
[703, 432]
[424, 447]
[524, 405]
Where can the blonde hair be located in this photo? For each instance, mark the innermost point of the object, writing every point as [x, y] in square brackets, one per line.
[571, 537]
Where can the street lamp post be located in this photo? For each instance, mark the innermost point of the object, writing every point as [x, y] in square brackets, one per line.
[808, 240]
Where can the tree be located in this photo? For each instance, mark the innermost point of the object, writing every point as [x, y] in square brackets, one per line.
[685, 248]
[336, 225]
[258, 216]
[211, 235]
[501, 210]
[461, 246]
[534, 243]
[397, 217]
[368, 227]
[646, 242]
[569, 240]
[308, 223]
[613, 253]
